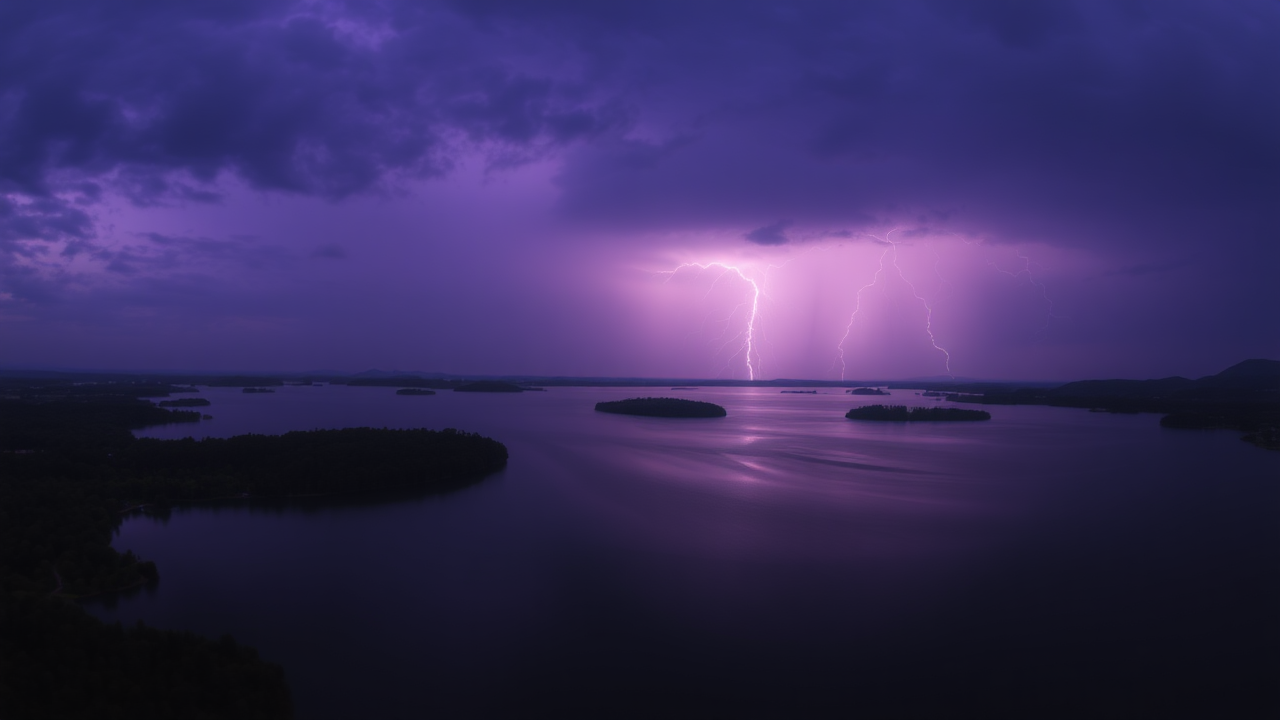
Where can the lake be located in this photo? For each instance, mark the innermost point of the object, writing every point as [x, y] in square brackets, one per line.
[782, 561]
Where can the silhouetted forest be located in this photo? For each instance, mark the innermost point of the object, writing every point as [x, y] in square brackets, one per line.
[403, 382]
[238, 381]
[489, 386]
[415, 391]
[1244, 397]
[61, 662]
[74, 387]
[662, 407]
[900, 413]
[185, 402]
[70, 468]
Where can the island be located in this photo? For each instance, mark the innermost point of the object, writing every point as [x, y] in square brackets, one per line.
[415, 391]
[662, 407]
[257, 390]
[185, 402]
[491, 386]
[900, 413]
[867, 391]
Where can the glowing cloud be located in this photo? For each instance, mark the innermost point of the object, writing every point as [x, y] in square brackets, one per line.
[928, 326]
[748, 335]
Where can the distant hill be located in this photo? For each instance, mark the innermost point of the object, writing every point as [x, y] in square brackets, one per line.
[1245, 396]
[1247, 381]
[489, 386]
[405, 381]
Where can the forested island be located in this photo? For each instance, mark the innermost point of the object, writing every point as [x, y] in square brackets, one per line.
[257, 390]
[867, 391]
[415, 391]
[900, 413]
[185, 402]
[70, 468]
[799, 392]
[662, 407]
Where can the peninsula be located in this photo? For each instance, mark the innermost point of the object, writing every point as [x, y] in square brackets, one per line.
[72, 469]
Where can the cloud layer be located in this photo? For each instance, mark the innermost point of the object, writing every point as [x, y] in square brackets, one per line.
[1146, 133]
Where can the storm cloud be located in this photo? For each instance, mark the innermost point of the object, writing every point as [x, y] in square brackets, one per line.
[1143, 131]
[1086, 115]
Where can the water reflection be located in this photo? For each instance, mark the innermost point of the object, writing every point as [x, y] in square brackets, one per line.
[782, 560]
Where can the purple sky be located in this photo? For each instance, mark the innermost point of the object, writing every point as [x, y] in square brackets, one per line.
[1042, 190]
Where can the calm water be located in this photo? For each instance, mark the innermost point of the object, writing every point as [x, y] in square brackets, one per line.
[781, 561]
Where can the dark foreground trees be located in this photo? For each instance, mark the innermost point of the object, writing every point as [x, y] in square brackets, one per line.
[58, 661]
[70, 468]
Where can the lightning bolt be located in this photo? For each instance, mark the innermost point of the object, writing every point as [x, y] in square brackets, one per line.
[1025, 274]
[748, 348]
[748, 342]
[928, 318]
[880, 272]
[857, 308]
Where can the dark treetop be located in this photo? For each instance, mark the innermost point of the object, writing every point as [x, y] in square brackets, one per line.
[900, 413]
[662, 407]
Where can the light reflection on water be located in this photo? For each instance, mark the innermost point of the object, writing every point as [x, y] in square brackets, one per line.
[723, 564]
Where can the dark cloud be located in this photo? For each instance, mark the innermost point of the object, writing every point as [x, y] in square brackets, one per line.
[1143, 132]
[1075, 123]
[44, 218]
[1065, 122]
[288, 97]
[769, 234]
[175, 253]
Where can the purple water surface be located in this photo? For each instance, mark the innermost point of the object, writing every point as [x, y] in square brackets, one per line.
[780, 561]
